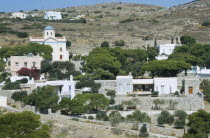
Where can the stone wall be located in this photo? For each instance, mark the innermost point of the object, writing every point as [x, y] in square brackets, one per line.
[190, 103]
[106, 85]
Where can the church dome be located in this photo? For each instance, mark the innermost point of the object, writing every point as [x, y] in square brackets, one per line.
[49, 28]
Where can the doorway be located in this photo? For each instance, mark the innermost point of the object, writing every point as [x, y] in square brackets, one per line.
[190, 90]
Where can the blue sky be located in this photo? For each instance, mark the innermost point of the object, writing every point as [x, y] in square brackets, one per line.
[27, 5]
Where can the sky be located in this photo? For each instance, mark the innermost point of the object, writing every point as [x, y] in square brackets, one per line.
[28, 5]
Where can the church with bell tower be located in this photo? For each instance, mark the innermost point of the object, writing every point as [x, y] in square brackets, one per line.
[58, 44]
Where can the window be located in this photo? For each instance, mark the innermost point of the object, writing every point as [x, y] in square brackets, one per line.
[47, 33]
[70, 87]
[61, 57]
[25, 64]
[60, 49]
[16, 64]
[34, 64]
[51, 33]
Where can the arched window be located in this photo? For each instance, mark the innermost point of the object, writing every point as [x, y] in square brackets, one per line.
[61, 57]
[60, 49]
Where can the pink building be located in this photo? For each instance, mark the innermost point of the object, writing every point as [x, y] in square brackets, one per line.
[30, 61]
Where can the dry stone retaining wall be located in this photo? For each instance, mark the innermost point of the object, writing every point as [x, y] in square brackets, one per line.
[190, 103]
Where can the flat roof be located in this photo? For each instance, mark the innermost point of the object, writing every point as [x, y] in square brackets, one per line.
[142, 81]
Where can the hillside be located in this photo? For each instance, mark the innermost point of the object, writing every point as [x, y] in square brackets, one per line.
[103, 24]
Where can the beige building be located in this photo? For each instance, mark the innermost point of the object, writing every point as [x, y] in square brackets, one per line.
[30, 61]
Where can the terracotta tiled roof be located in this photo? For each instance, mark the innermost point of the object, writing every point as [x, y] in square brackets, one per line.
[37, 38]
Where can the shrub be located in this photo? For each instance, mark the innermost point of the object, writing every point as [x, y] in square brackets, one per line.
[165, 118]
[116, 131]
[119, 43]
[105, 44]
[75, 119]
[19, 95]
[68, 43]
[206, 23]
[143, 132]
[22, 34]
[116, 107]
[24, 80]
[155, 94]
[157, 102]
[90, 117]
[84, 117]
[11, 86]
[126, 20]
[112, 101]
[139, 117]
[181, 117]
[102, 116]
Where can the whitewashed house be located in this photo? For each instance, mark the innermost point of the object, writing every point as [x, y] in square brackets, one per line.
[19, 15]
[51, 15]
[165, 51]
[60, 53]
[127, 85]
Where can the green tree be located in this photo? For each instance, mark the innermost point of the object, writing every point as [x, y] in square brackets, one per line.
[152, 52]
[11, 86]
[68, 106]
[68, 44]
[165, 118]
[206, 23]
[198, 125]
[115, 118]
[100, 60]
[165, 68]
[88, 82]
[102, 116]
[2, 65]
[181, 118]
[143, 132]
[24, 124]
[43, 98]
[157, 103]
[19, 95]
[139, 117]
[187, 40]
[105, 44]
[22, 34]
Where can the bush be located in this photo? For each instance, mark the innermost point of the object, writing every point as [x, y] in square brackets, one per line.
[105, 44]
[165, 118]
[116, 131]
[84, 117]
[24, 80]
[90, 117]
[68, 43]
[126, 21]
[11, 86]
[22, 34]
[206, 24]
[155, 94]
[116, 107]
[181, 117]
[143, 132]
[75, 119]
[119, 43]
[102, 116]
[112, 101]
[19, 95]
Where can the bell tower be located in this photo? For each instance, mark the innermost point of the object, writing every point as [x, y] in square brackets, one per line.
[49, 32]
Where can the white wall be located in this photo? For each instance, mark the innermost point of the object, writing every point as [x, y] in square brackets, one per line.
[165, 85]
[3, 101]
[50, 15]
[124, 85]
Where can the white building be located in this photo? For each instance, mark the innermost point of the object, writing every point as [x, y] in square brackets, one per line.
[127, 85]
[19, 15]
[3, 101]
[165, 51]
[58, 44]
[51, 15]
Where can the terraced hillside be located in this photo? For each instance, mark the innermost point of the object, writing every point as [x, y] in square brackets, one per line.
[115, 21]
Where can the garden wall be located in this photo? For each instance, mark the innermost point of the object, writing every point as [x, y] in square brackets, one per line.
[190, 103]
